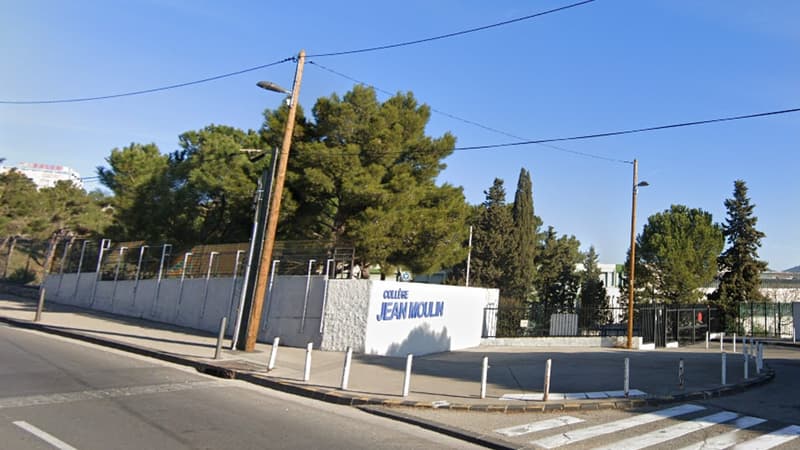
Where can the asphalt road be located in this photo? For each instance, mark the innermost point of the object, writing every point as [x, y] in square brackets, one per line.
[57, 393]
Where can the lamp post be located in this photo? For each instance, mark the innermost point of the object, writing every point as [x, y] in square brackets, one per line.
[256, 303]
[636, 186]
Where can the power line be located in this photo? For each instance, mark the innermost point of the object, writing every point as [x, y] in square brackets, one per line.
[631, 131]
[449, 35]
[473, 123]
[144, 91]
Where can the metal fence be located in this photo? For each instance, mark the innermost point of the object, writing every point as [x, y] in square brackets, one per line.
[537, 321]
[765, 319]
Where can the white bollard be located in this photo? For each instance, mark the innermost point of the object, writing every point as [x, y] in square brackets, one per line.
[734, 342]
[744, 346]
[548, 365]
[706, 340]
[681, 377]
[627, 380]
[307, 371]
[484, 375]
[721, 342]
[746, 366]
[348, 358]
[274, 353]
[724, 368]
[407, 379]
[760, 357]
[220, 337]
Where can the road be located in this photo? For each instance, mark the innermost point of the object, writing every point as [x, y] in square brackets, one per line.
[57, 393]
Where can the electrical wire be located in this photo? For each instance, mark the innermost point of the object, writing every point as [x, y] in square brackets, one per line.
[473, 123]
[145, 91]
[631, 131]
[449, 35]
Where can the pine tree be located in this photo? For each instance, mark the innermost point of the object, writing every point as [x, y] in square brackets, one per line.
[739, 265]
[524, 239]
[490, 243]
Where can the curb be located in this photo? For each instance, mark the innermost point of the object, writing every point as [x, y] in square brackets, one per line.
[336, 396]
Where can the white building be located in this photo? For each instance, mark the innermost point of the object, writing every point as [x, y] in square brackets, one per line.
[46, 175]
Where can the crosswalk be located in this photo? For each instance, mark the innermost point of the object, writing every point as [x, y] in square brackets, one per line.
[681, 424]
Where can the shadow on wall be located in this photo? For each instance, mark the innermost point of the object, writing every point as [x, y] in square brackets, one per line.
[421, 341]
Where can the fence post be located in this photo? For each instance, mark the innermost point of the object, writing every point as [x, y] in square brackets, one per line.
[78, 274]
[67, 248]
[166, 250]
[116, 275]
[233, 289]
[325, 292]
[105, 244]
[40, 305]
[305, 298]
[724, 368]
[273, 354]
[548, 365]
[307, 370]
[627, 377]
[484, 375]
[220, 337]
[208, 279]
[272, 272]
[138, 272]
[407, 378]
[348, 358]
[681, 374]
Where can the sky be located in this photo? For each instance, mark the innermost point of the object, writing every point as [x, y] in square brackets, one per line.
[604, 66]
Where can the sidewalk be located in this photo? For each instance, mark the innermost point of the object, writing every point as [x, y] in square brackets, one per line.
[581, 378]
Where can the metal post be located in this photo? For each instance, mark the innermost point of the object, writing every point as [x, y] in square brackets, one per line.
[348, 357]
[272, 275]
[254, 316]
[116, 275]
[220, 337]
[180, 286]
[325, 293]
[40, 305]
[484, 374]
[105, 244]
[78, 274]
[407, 379]
[547, 366]
[233, 292]
[734, 342]
[724, 368]
[307, 370]
[469, 257]
[681, 374]
[166, 250]
[138, 272]
[746, 365]
[305, 298]
[627, 377]
[707, 338]
[721, 341]
[67, 248]
[208, 279]
[273, 354]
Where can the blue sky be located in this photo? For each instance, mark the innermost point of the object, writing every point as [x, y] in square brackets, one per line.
[605, 66]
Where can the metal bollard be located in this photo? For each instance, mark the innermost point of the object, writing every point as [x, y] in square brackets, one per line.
[307, 370]
[273, 354]
[734, 342]
[746, 366]
[220, 337]
[681, 378]
[627, 380]
[724, 368]
[706, 340]
[348, 358]
[39, 306]
[407, 379]
[548, 365]
[721, 342]
[484, 375]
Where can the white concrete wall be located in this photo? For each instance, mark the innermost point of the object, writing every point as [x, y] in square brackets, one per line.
[284, 311]
[346, 312]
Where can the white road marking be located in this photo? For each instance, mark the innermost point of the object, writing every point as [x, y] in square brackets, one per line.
[538, 396]
[671, 432]
[43, 435]
[770, 440]
[613, 427]
[541, 425]
[99, 394]
[728, 439]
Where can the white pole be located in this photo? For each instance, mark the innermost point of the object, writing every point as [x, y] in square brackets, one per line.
[220, 337]
[746, 366]
[274, 353]
[734, 342]
[744, 346]
[348, 357]
[724, 368]
[706, 340]
[484, 374]
[407, 379]
[681, 372]
[721, 342]
[469, 255]
[547, 368]
[307, 371]
[305, 298]
[627, 380]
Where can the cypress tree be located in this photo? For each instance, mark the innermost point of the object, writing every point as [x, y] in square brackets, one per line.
[490, 243]
[522, 269]
[739, 266]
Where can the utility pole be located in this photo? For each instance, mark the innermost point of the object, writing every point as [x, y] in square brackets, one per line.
[636, 186]
[253, 319]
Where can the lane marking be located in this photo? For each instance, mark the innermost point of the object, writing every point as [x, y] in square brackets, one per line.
[671, 432]
[769, 440]
[100, 394]
[541, 425]
[728, 439]
[43, 435]
[613, 427]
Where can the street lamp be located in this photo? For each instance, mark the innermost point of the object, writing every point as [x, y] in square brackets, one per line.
[636, 185]
[256, 303]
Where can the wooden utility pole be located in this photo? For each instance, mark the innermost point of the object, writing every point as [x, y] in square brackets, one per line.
[264, 266]
[633, 254]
